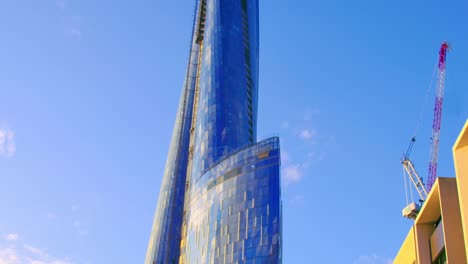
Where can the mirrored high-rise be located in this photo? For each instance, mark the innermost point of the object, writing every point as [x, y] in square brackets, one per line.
[220, 197]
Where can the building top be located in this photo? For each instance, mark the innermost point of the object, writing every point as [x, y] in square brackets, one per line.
[440, 231]
[462, 140]
[437, 233]
[460, 159]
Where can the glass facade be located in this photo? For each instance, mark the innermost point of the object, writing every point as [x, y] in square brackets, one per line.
[220, 197]
[228, 81]
[235, 210]
[164, 244]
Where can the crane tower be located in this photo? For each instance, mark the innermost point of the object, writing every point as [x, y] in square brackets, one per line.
[437, 116]
[412, 209]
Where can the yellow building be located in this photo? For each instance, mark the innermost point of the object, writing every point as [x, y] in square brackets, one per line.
[440, 231]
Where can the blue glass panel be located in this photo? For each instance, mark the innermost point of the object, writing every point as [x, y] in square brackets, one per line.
[227, 109]
[220, 191]
[164, 245]
[242, 228]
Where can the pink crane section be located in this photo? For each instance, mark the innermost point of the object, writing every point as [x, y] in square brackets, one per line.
[437, 116]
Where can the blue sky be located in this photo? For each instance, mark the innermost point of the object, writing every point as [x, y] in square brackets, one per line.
[89, 92]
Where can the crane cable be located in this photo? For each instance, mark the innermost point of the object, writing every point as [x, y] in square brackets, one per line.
[410, 190]
[416, 130]
[423, 107]
[406, 187]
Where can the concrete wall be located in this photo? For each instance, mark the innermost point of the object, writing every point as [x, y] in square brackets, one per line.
[407, 253]
[460, 158]
[442, 203]
[448, 199]
[451, 221]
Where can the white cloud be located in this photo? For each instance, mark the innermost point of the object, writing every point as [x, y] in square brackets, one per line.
[8, 256]
[307, 134]
[7, 143]
[34, 250]
[27, 254]
[292, 173]
[373, 259]
[12, 237]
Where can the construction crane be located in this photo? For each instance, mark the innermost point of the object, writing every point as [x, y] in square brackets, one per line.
[412, 209]
[437, 116]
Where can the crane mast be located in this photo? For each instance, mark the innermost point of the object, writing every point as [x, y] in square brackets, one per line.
[415, 179]
[412, 209]
[437, 116]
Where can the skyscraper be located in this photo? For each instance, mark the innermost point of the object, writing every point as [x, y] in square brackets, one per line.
[220, 197]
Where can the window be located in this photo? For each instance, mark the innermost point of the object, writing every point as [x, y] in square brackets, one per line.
[436, 224]
[442, 258]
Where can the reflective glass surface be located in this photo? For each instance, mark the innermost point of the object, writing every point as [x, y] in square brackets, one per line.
[227, 104]
[164, 244]
[220, 197]
[235, 209]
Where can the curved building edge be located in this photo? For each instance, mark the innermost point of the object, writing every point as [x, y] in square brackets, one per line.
[235, 209]
[163, 246]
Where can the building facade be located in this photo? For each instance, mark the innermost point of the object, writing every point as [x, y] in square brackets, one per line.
[220, 197]
[439, 233]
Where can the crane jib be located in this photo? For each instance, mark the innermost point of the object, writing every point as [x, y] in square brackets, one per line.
[436, 124]
[442, 54]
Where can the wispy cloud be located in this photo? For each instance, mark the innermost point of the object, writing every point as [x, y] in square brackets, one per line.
[12, 237]
[293, 170]
[16, 253]
[372, 259]
[309, 146]
[7, 142]
[292, 173]
[34, 250]
[8, 256]
[307, 134]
